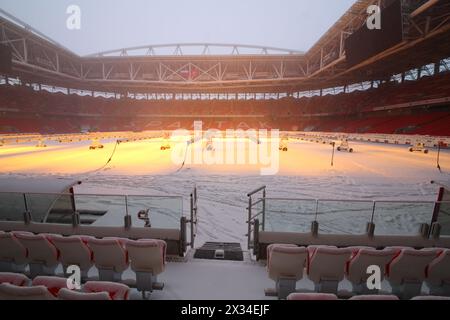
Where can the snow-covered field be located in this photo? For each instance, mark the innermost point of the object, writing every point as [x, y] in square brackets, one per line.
[372, 172]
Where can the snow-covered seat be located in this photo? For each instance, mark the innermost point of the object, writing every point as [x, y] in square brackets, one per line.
[285, 266]
[375, 297]
[327, 268]
[43, 255]
[16, 279]
[359, 263]
[116, 291]
[148, 259]
[13, 255]
[66, 294]
[406, 271]
[74, 251]
[110, 258]
[438, 274]
[53, 284]
[312, 296]
[12, 292]
[431, 298]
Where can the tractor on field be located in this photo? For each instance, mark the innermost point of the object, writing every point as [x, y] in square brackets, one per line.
[419, 147]
[344, 146]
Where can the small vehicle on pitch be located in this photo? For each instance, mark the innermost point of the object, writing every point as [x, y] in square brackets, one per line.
[283, 145]
[96, 145]
[165, 146]
[419, 147]
[344, 146]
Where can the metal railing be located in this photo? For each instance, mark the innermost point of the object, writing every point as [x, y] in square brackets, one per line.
[193, 216]
[336, 216]
[252, 221]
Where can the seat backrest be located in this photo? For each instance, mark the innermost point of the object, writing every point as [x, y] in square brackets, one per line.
[116, 291]
[286, 261]
[40, 249]
[410, 265]
[53, 284]
[438, 271]
[12, 292]
[430, 298]
[375, 297]
[312, 296]
[109, 254]
[11, 249]
[66, 294]
[16, 279]
[357, 267]
[147, 255]
[73, 251]
[328, 264]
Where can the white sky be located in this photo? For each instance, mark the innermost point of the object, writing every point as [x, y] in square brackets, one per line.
[114, 24]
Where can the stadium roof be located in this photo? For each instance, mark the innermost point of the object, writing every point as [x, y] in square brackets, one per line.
[232, 68]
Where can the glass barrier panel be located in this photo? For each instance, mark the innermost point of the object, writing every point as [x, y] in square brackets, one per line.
[163, 212]
[444, 218]
[12, 206]
[401, 218]
[343, 217]
[101, 210]
[284, 215]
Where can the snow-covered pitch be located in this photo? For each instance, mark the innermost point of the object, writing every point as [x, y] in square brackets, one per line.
[372, 171]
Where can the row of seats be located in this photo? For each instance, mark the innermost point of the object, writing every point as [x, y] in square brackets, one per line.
[331, 296]
[111, 256]
[15, 286]
[326, 266]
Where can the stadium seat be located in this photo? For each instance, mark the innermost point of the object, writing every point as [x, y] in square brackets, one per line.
[110, 258]
[311, 296]
[12, 292]
[438, 274]
[285, 265]
[148, 259]
[327, 268]
[406, 272]
[16, 279]
[53, 284]
[43, 255]
[430, 298]
[374, 297]
[116, 291]
[357, 267]
[74, 251]
[66, 294]
[13, 255]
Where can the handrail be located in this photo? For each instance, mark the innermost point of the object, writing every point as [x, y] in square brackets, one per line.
[193, 216]
[356, 200]
[92, 195]
[252, 226]
[256, 191]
